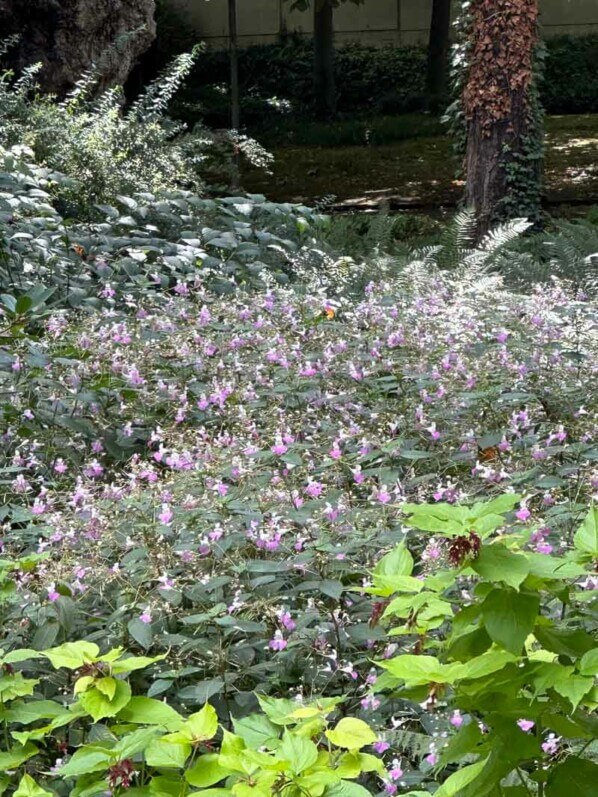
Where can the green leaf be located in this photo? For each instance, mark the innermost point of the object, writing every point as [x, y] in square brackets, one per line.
[458, 780]
[462, 743]
[586, 537]
[202, 725]
[72, 655]
[497, 563]
[256, 730]
[575, 776]
[133, 663]
[148, 711]
[351, 733]
[161, 754]
[28, 788]
[134, 742]
[141, 632]
[347, 789]
[206, 772]
[589, 663]
[300, 753]
[566, 642]
[13, 758]
[398, 562]
[100, 706]
[18, 656]
[509, 617]
[498, 506]
[85, 760]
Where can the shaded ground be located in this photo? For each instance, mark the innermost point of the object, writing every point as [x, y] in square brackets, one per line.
[419, 171]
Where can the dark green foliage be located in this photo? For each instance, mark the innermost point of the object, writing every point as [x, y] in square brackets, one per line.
[276, 80]
[570, 83]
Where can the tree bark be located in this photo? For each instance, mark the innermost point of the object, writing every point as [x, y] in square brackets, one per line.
[500, 112]
[438, 54]
[235, 99]
[324, 84]
[68, 37]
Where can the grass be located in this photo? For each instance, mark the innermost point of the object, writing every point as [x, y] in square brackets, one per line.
[418, 166]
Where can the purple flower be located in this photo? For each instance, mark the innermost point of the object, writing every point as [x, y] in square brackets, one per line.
[278, 642]
[381, 746]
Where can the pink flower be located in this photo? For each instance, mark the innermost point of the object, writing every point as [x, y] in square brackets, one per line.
[52, 594]
[551, 745]
[381, 746]
[382, 495]
[166, 515]
[395, 773]
[314, 489]
[525, 725]
[145, 617]
[456, 720]
[431, 758]
[523, 514]
[278, 642]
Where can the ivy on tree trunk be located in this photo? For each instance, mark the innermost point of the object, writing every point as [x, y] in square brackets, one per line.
[504, 124]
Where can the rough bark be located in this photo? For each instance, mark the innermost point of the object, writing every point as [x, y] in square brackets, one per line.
[497, 101]
[324, 85]
[438, 54]
[69, 36]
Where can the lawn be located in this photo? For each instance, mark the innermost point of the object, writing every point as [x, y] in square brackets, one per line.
[417, 170]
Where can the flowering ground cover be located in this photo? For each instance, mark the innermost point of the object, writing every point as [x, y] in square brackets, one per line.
[245, 461]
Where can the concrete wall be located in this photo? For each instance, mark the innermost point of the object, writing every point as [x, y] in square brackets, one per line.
[375, 22]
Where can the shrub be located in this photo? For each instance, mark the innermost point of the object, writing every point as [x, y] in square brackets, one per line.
[276, 81]
[84, 732]
[499, 637]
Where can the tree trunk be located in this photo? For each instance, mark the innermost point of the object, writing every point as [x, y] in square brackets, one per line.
[235, 99]
[438, 54]
[503, 168]
[324, 86]
[68, 37]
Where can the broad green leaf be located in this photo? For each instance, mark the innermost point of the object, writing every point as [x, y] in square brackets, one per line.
[28, 712]
[574, 776]
[72, 655]
[257, 730]
[398, 562]
[497, 563]
[133, 663]
[85, 760]
[206, 772]
[202, 725]
[564, 641]
[300, 753]
[458, 780]
[163, 754]
[589, 663]
[148, 711]
[462, 743]
[141, 632]
[347, 789]
[509, 617]
[17, 755]
[100, 706]
[134, 742]
[498, 506]
[28, 788]
[107, 686]
[586, 537]
[351, 734]
[24, 654]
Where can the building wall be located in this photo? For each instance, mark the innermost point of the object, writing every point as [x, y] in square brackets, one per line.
[374, 22]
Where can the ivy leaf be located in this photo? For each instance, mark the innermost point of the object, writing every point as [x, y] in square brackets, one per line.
[509, 617]
[497, 563]
[586, 537]
[351, 733]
